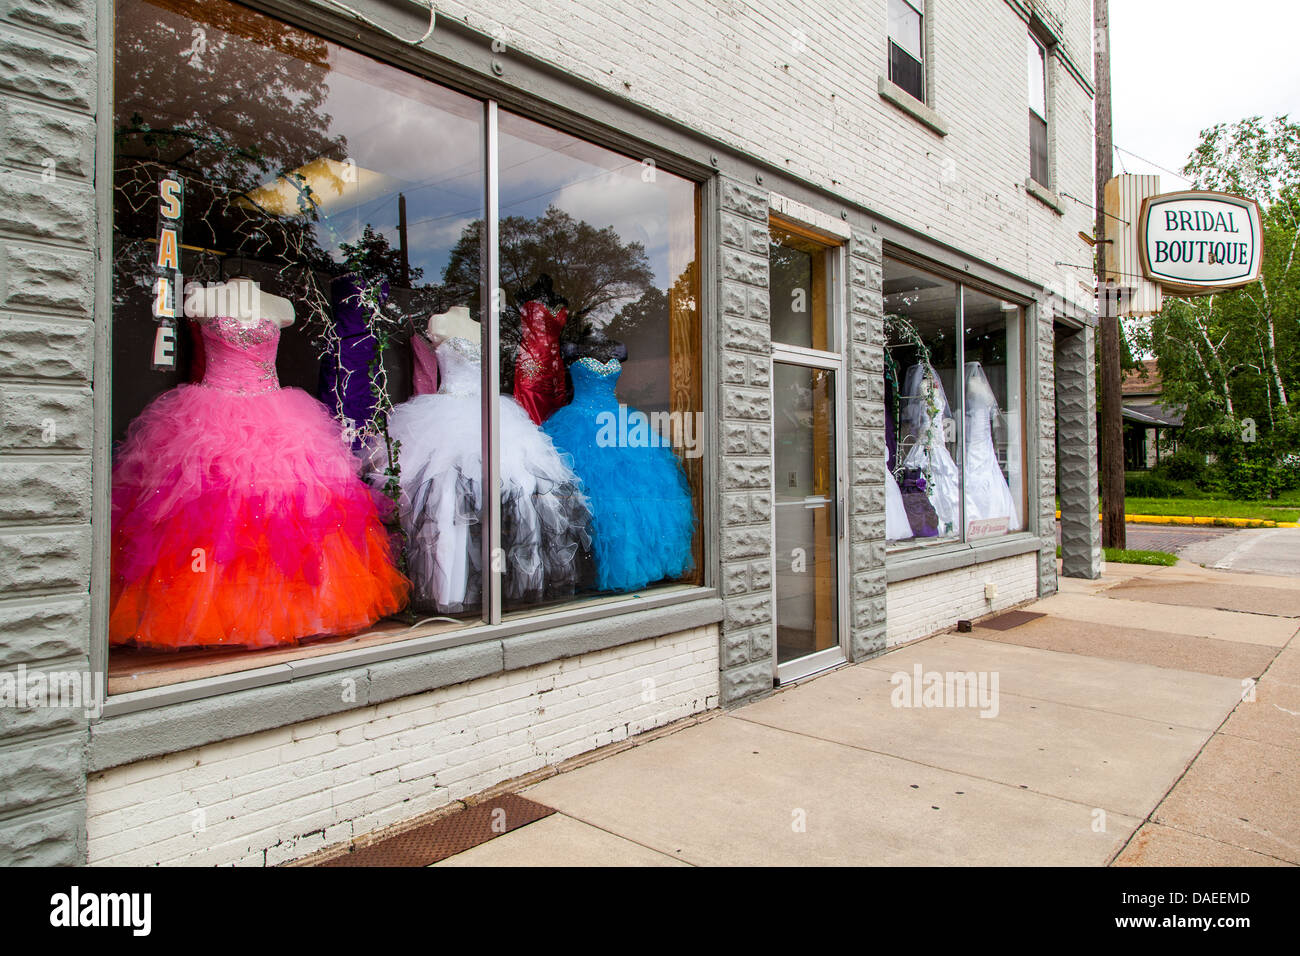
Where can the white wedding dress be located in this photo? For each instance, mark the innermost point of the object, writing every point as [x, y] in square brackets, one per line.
[988, 496]
[545, 519]
[924, 409]
[897, 527]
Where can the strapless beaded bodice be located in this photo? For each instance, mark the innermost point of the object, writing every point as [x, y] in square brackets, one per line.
[594, 383]
[239, 358]
[459, 367]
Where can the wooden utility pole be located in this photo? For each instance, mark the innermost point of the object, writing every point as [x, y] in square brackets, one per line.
[1112, 422]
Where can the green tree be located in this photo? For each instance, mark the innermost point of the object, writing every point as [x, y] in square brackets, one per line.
[1235, 356]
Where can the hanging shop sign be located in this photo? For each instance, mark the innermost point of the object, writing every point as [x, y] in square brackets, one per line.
[1195, 243]
[167, 270]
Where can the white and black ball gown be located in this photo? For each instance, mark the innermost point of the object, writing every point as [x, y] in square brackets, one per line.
[544, 516]
[988, 496]
[924, 409]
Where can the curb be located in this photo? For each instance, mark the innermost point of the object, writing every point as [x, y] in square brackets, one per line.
[1221, 522]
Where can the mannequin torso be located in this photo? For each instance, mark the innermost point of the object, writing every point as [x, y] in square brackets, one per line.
[454, 323]
[241, 299]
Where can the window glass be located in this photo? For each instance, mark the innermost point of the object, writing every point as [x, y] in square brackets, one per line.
[994, 433]
[801, 271]
[1038, 112]
[905, 27]
[905, 46]
[283, 209]
[922, 407]
[805, 510]
[954, 399]
[1037, 78]
[600, 374]
[296, 339]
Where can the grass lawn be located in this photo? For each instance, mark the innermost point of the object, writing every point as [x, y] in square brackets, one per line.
[1281, 510]
[1135, 556]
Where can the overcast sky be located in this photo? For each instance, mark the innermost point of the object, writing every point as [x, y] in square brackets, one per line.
[1180, 66]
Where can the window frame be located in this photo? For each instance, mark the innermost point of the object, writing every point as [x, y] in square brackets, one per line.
[388, 50]
[1044, 50]
[922, 64]
[921, 557]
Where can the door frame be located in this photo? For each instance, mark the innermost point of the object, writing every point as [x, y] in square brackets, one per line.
[835, 362]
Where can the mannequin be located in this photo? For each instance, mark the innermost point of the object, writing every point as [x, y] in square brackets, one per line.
[258, 479]
[539, 370]
[456, 322]
[240, 298]
[344, 385]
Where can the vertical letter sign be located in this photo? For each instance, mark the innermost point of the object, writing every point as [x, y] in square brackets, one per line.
[167, 270]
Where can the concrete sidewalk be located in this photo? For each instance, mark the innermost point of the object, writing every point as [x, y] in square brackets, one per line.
[1120, 736]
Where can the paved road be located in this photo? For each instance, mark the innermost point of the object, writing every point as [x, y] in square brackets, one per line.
[1261, 550]
[1173, 538]
[1266, 550]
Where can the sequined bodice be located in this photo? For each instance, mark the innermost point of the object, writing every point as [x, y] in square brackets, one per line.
[594, 383]
[459, 367]
[539, 371]
[240, 359]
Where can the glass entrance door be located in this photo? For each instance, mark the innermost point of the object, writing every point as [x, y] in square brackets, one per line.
[807, 496]
[806, 514]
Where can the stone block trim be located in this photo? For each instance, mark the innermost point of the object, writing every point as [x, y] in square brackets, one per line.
[745, 440]
[1077, 482]
[866, 465]
[1045, 444]
[48, 93]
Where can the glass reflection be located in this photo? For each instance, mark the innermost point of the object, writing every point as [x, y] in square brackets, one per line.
[922, 407]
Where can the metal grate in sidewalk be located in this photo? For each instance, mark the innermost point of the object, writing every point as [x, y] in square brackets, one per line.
[449, 835]
[1005, 622]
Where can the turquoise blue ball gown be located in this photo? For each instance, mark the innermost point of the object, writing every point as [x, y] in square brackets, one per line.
[642, 515]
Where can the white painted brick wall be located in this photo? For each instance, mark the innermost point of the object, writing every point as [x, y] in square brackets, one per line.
[936, 602]
[270, 797]
[795, 85]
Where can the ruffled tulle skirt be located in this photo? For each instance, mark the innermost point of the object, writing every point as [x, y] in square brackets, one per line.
[545, 540]
[897, 525]
[643, 518]
[239, 520]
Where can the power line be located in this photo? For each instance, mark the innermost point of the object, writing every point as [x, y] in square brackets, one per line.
[1149, 163]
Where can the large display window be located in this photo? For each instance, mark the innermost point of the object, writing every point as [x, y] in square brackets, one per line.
[954, 393]
[303, 242]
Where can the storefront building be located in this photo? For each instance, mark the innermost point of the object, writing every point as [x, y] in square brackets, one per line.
[396, 405]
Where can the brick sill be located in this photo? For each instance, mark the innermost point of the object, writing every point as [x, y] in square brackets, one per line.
[1045, 196]
[893, 93]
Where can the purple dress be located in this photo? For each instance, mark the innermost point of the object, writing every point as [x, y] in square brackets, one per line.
[345, 374]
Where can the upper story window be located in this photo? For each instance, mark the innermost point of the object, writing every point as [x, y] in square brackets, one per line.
[906, 57]
[1037, 66]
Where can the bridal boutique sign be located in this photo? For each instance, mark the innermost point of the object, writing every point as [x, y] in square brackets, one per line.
[1194, 243]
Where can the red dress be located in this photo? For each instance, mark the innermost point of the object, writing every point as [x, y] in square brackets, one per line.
[539, 369]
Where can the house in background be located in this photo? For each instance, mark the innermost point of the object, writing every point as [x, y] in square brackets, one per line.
[1145, 416]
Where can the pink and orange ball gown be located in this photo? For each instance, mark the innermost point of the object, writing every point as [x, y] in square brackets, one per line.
[238, 517]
